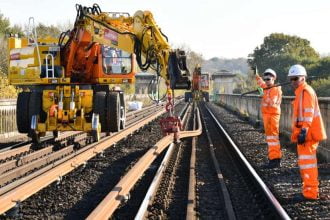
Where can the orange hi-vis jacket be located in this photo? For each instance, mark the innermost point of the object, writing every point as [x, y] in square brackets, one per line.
[271, 100]
[306, 114]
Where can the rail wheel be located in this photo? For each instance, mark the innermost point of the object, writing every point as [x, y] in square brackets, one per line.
[122, 111]
[113, 111]
[99, 107]
[34, 112]
[95, 135]
[35, 137]
[22, 112]
[55, 134]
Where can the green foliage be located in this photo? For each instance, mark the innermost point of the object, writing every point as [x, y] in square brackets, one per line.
[245, 83]
[6, 91]
[48, 31]
[4, 24]
[193, 58]
[322, 87]
[280, 51]
[320, 68]
[3, 56]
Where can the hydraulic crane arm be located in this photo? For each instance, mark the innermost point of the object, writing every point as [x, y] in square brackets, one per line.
[138, 34]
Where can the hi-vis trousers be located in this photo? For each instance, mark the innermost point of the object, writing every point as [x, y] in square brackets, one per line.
[271, 126]
[307, 162]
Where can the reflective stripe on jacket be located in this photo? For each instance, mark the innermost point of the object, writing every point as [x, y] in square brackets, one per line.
[271, 100]
[306, 114]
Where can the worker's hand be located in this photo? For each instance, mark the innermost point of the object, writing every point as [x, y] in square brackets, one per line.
[302, 136]
[261, 91]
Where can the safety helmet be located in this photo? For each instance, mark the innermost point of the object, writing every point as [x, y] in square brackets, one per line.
[297, 70]
[270, 71]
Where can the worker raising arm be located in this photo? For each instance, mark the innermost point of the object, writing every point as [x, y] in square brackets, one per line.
[270, 108]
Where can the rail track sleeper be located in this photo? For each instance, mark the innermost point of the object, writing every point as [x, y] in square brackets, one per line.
[275, 205]
[31, 186]
[228, 203]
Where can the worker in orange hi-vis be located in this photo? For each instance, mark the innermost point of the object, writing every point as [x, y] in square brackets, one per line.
[270, 108]
[307, 131]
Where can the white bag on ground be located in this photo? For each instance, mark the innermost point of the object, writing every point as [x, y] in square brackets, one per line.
[135, 105]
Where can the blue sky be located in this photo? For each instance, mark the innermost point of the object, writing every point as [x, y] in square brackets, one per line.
[221, 28]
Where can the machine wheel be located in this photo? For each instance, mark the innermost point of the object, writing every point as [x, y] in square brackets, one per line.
[35, 137]
[95, 135]
[34, 105]
[55, 134]
[187, 96]
[113, 111]
[22, 112]
[99, 107]
[122, 111]
[206, 96]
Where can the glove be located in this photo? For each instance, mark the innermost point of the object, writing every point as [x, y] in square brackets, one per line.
[302, 136]
[261, 91]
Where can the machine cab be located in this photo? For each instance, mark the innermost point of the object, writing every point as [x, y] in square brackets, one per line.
[117, 66]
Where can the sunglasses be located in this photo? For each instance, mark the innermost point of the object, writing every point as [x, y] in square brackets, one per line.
[267, 79]
[294, 79]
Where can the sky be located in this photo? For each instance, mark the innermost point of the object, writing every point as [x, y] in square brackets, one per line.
[213, 28]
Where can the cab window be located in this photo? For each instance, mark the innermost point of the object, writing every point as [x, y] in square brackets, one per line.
[116, 61]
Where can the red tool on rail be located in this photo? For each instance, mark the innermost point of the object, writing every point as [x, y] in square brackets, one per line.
[172, 123]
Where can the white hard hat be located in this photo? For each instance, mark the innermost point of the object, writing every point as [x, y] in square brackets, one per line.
[297, 70]
[270, 71]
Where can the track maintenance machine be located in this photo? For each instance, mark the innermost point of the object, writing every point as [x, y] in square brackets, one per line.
[200, 87]
[68, 84]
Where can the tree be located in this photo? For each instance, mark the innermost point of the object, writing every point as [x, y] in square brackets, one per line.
[4, 24]
[321, 68]
[244, 82]
[48, 31]
[322, 87]
[280, 51]
[193, 58]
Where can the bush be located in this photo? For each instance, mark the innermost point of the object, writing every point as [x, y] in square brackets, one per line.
[322, 87]
[7, 91]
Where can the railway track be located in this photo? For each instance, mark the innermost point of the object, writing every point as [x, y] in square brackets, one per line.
[19, 171]
[22, 148]
[153, 192]
[249, 195]
[168, 192]
[284, 182]
[205, 178]
[140, 177]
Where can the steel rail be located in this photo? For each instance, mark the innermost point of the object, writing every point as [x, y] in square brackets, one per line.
[22, 160]
[22, 192]
[159, 174]
[11, 164]
[228, 204]
[14, 146]
[16, 151]
[120, 192]
[276, 206]
[191, 204]
[154, 184]
[13, 151]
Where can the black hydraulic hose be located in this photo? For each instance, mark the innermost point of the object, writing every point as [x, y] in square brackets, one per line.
[164, 35]
[279, 84]
[62, 37]
[151, 95]
[82, 14]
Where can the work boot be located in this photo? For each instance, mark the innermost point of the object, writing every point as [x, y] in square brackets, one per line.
[300, 198]
[275, 163]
